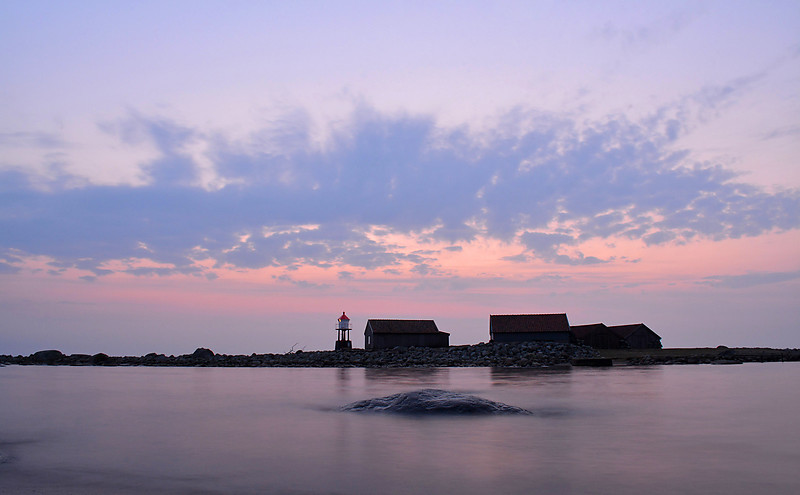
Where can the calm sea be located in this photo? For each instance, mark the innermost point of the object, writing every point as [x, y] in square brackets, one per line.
[627, 430]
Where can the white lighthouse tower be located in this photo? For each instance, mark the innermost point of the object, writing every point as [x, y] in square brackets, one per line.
[343, 333]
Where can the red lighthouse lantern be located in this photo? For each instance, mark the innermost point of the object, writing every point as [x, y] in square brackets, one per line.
[343, 333]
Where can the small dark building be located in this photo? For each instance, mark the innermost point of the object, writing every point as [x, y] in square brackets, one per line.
[637, 336]
[385, 334]
[530, 328]
[598, 335]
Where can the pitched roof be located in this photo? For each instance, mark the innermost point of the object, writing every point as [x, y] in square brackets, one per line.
[403, 326]
[626, 331]
[583, 331]
[528, 323]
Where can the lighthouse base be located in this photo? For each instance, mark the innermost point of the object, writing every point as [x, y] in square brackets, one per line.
[343, 344]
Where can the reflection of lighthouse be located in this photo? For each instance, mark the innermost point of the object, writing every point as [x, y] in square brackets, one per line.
[343, 333]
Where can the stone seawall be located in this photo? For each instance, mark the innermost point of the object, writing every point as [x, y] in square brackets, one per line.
[523, 355]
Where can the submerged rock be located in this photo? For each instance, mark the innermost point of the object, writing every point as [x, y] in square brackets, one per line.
[432, 401]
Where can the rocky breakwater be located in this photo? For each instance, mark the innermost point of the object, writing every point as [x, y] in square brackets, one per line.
[718, 355]
[519, 355]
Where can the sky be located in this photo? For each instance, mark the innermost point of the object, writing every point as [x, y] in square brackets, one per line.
[234, 175]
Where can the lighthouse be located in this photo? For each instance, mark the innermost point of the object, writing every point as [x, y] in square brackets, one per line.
[343, 333]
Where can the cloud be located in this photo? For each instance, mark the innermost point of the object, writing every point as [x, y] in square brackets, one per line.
[544, 181]
[750, 279]
[656, 31]
[163, 272]
[790, 131]
[41, 140]
[546, 247]
[304, 284]
[517, 258]
[6, 268]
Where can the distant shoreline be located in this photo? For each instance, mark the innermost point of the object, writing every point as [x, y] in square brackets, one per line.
[700, 355]
[517, 355]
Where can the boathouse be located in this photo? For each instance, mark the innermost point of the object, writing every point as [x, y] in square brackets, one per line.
[530, 328]
[637, 336]
[385, 334]
[598, 335]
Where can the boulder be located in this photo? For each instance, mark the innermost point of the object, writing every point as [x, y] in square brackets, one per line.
[100, 358]
[432, 401]
[47, 357]
[203, 354]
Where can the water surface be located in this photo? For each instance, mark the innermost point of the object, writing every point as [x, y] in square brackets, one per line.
[661, 430]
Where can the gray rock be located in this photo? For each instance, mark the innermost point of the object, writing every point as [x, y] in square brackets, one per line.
[432, 401]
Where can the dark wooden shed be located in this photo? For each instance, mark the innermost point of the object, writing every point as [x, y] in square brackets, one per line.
[637, 336]
[597, 335]
[385, 334]
[530, 328]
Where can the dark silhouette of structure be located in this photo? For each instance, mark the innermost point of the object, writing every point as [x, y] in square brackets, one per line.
[637, 336]
[343, 333]
[385, 334]
[600, 336]
[597, 335]
[530, 328]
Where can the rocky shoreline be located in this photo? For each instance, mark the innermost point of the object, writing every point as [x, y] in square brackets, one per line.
[518, 355]
[700, 355]
[523, 355]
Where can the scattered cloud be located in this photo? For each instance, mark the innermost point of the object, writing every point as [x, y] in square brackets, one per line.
[6, 268]
[300, 283]
[750, 279]
[545, 182]
[40, 140]
[791, 131]
[517, 258]
[656, 31]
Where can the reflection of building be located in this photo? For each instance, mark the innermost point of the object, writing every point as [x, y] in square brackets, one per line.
[530, 328]
[598, 335]
[424, 377]
[343, 333]
[383, 334]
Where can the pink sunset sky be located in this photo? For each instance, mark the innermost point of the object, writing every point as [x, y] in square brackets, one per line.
[235, 175]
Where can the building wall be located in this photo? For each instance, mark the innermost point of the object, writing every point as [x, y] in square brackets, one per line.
[604, 340]
[390, 340]
[643, 339]
[531, 337]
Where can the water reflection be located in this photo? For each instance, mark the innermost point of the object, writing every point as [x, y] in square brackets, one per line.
[344, 378]
[506, 376]
[408, 376]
